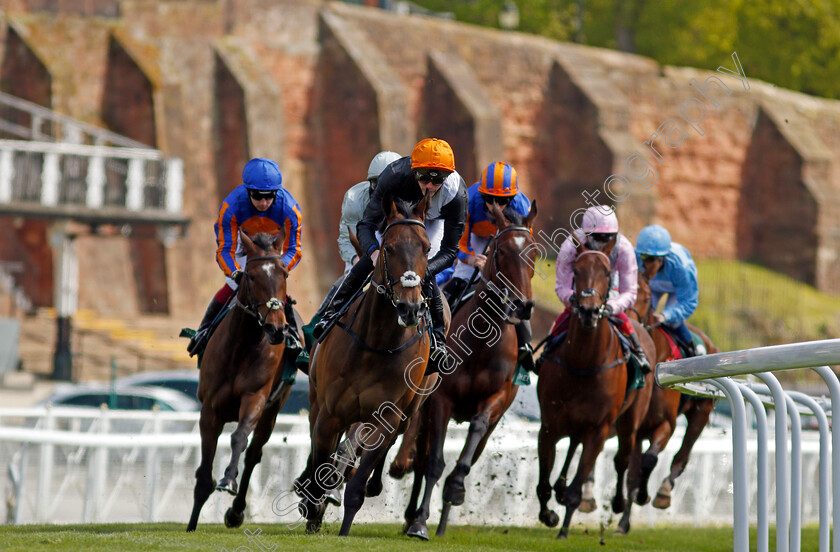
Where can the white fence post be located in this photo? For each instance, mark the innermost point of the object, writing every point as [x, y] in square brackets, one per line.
[43, 502]
[763, 510]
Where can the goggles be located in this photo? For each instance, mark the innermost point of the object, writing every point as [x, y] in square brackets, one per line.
[261, 194]
[502, 201]
[649, 258]
[425, 176]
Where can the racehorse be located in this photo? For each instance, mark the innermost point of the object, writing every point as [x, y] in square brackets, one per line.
[480, 389]
[373, 370]
[240, 378]
[582, 391]
[660, 422]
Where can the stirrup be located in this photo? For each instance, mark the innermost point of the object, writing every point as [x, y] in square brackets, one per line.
[437, 353]
[525, 357]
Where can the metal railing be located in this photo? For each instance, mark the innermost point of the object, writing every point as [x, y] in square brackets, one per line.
[714, 374]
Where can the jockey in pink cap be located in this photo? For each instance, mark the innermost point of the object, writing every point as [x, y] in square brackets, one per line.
[596, 233]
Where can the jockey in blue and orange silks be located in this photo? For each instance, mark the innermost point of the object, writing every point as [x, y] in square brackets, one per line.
[498, 185]
[259, 205]
[597, 231]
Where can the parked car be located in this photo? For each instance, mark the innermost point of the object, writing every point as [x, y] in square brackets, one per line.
[124, 398]
[186, 381]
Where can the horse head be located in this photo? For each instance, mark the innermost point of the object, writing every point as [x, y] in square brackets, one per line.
[403, 257]
[592, 285]
[262, 291]
[512, 259]
[643, 307]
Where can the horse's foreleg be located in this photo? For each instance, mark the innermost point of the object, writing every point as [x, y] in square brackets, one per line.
[697, 416]
[404, 461]
[453, 490]
[250, 411]
[439, 413]
[592, 445]
[634, 476]
[354, 495]
[587, 500]
[419, 469]
[560, 484]
[658, 441]
[323, 474]
[235, 514]
[210, 428]
[546, 451]
[374, 484]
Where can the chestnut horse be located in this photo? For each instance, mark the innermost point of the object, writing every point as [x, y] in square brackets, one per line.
[240, 374]
[371, 369]
[583, 391]
[480, 388]
[661, 419]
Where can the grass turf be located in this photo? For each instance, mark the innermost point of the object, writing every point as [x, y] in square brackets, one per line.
[364, 538]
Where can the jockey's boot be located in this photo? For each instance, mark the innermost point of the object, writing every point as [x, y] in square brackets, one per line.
[437, 354]
[353, 282]
[637, 351]
[199, 340]
[525, 354]
[289, 311]
[453, 290]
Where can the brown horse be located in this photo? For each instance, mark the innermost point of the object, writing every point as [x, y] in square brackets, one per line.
[480, 389]
[660, 422]
[583, 391]
[371, 369]
[240, 374]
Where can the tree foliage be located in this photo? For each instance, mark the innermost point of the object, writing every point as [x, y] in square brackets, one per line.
[791, 43]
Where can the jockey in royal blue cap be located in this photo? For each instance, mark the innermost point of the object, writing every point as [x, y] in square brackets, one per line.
[671, 270]
[259, 205]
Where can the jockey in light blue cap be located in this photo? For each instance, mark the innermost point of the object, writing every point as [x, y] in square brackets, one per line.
[671, 270]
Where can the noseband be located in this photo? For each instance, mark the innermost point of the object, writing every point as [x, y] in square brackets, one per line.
[253, 307]
[590, 292]
[503, 297]
[409, 278]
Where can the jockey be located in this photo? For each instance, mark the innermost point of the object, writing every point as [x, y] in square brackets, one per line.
[354, 204]
[596, 233]
[259, 204]
[497, 185]
[431, 167]
[671, 270]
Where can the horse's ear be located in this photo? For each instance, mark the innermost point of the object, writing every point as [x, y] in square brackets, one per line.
[610, 245]
[423, 206]
[388, 206]
[247, 244]
[499, 217]
[529, 220]
[280, 239]
[354, 241]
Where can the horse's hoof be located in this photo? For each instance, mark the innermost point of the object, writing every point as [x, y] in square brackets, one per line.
[662, 501]
[622, 530]
[418, 530]
[227, 485]
[618, 504]
[333, 496]
[563, 534]
[396, 471]
[373, 487]
[454, 494]
[642, 498]
[587, 505]
[233, 519]
[549, 518]
[313, 526]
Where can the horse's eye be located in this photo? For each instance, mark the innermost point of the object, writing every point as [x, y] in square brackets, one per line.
[389, 250]
[427, 249]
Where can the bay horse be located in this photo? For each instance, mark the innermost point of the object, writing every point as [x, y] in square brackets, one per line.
[582, 392]
[661, 419]
[371, 369]
[240, 377]
[480, 388]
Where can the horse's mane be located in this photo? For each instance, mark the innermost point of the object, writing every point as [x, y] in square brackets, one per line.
[264, 241]
[512, 216]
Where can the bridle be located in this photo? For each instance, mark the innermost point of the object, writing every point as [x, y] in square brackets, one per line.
[408, 279]
[504, 298]
[253, 307]
[590, 292]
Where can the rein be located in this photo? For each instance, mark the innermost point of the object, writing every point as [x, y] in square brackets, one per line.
[252, 307]
[407, 280]
[602, 368]
[504, 299]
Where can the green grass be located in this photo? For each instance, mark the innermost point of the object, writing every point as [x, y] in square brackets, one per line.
[364, 538]
[744, 305]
